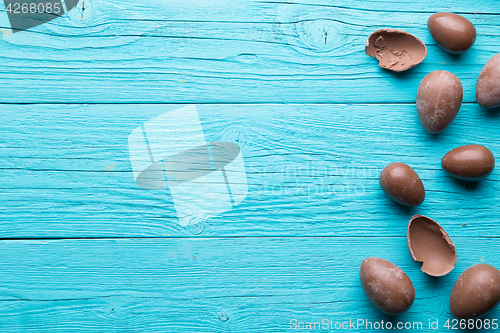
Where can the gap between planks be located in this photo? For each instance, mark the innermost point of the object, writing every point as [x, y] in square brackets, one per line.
[219, 103]
[2, 239]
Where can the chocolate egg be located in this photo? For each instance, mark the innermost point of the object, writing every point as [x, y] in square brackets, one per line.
[386, 285]
[430, 244]
[439, 97]
[395, 49]
[476, 292]
[470, 162]
[402, 184]
[454, 33]
[488, 84]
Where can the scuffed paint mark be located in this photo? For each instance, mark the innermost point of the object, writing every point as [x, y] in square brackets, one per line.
[6, 32]
[109, 167]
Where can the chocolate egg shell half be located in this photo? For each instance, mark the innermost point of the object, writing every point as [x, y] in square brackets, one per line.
[476, 292]
[430, 244]
[470, 162]
[386, 285]
[488, 84]
[402, 184]
[454, 33]
[439, 97]
[395, 49]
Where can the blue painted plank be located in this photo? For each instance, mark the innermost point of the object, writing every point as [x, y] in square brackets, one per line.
[311, 169]
[314, 210]
[266, 52]
[211, 285]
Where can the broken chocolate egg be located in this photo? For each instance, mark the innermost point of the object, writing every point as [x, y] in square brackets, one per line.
[439, 97]
[476, 292]
[402, 184]
[488, 84]
[470, 162]
[386, 285]
[454, 33]
[395, 49]
[430, 244]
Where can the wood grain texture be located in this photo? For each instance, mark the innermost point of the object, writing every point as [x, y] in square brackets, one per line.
[312, 170]
[200, 52]
[86, 250]
[210, 285]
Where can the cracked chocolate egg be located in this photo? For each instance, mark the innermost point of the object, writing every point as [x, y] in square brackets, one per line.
[476, 292]
[469, 162]
[402, 184]
[386, 285]
[488, 84]
[439, 97]
[454, 33]
[395, 49]
[430, 244]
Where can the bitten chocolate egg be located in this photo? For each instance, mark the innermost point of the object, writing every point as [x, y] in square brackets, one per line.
[430, 244]
[395, 49]
[476, 292]
[470, 162]
[439, 97]
[454, 33]
[402, 184]
[386, 285]
[488, 84]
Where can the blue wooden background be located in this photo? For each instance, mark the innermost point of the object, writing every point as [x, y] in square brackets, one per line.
[84, 249]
